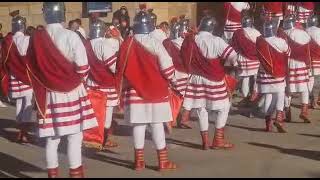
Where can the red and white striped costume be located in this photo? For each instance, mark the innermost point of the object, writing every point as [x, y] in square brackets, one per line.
[68, 113]
[106, 50]
[314, 33]
[304, 10]
[290, 8]
[204, 93]
[248, 67]
[17, 88]
[138, 110]
[298, 72]
[233, 17]
[181, 77]
[266, 82]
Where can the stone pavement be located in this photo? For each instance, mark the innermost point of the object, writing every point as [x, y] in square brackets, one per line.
[257, 153]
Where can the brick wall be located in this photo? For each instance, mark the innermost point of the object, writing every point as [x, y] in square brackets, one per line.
[33, 11]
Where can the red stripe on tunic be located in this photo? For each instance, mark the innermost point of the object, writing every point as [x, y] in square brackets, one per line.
[299, 81]
[70, 113]
[206, 97]
[68, 123]
[67, 104]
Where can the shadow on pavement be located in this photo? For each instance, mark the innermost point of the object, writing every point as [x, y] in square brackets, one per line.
[114, 161]
[183, 143]
[313, 155]
[310, 135]
[247, 128]
[11, 166]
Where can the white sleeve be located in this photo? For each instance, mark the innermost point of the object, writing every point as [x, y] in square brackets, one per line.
[79, 53]
[227, 53]
[110, 54]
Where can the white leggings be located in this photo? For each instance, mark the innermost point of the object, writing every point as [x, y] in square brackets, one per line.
[24, 108]
[158, 135]
[109, 112]
[273, 101]
[304, 99]
[73, 151]
[221, 118]
[245, 85]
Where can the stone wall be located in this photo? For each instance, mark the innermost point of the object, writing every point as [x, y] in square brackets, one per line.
[33, 11]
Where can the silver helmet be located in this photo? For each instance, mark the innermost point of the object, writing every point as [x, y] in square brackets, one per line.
[97, 29]
[18, 23]
[175, 30]
[142, 23]
[312, 21]
[153, 17]
[184, 25]
[289, 22]
[246, 22]
[270, 28]
[54, 12]
[207, 23]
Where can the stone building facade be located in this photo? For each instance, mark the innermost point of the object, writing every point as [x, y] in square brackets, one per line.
[33, 11]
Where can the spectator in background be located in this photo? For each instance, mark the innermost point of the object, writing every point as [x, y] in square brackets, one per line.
[80, 28]
[74, 26]
[1, 35]
[1, 39]
[30, 30]
[121, 20]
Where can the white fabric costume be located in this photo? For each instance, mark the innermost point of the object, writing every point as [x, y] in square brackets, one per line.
[68, 114]
[18, 90]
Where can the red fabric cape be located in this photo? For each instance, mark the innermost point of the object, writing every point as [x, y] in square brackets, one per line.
[275, 7]
[48, 69]
[308, 5]
[141, 70]
[175, 54]
[274, 62]
[314, 51]
[243, 45]
[196, 63]
[12, 62]
[230, 13]
[99, 73]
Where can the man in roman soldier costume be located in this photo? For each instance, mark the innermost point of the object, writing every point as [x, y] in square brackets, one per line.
[244, 43]
[272, 52]
[14, 49]
[207, 91]
[179, 30]
[144, 73]
[233, 11]
[314, 31]
[304, 11]
[298, 66]
[102, 57]
[57, 66]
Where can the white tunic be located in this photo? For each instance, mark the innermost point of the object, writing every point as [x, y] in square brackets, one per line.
[298, 71]
[266, 82]
[17, 88]
[314, 33]
[248, 67]
[71, 112]
[230, 26]
[137, 110]
[106, 51]
[181, 77]
[202, 92]
[159, 35]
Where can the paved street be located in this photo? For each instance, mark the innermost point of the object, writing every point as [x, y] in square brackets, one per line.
[257, 154]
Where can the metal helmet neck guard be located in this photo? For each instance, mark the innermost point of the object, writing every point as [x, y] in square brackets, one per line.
[208, 24]
[97, 29]
[142, 23]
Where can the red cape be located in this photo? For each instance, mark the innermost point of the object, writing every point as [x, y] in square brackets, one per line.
[196, 63]
[48, 69]
[99, 73]
[314, 51]
[274, 62]
[274, 7]
[175, 54]
[12, 62]
[230, 13]
[243, 45]
[141, 70]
